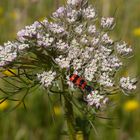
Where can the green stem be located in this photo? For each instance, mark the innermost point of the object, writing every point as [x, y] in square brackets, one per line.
[68, 113]
[70, 119]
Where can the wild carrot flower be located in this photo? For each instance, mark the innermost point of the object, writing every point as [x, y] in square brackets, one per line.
[46, 78]
[74, 2]
[72, 56]
[107, 22]
[123, 49]
[128, 84]
[9, 52]
[76, 40]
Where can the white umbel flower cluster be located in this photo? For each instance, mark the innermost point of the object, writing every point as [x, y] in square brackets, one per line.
[72, 15]
[29, 31]
[105, 80]
[63, 62]
[62, 45]
[128, 84]
[110, 63]
[123, 49]
[74, 2]
[107, 22]
[89, 13]
[90, 70]
[76, 39]
[79, 29]
[46, 78]
[9, 52]
[106, 39]
[44, 40]
[60, 12]
[56, 28]
[95, 99]
[94, 41]
[92, 29]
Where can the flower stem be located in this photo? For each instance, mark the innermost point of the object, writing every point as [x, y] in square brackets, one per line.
[70, 119]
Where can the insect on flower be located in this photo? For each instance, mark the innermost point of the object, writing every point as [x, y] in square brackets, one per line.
[80, 82]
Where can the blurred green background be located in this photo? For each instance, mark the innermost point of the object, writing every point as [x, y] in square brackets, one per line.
[43, 120]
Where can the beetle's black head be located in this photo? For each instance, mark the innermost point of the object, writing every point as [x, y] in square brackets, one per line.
[88, 88]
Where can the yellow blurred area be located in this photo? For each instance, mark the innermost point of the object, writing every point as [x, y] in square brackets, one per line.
[24, 2]
[1, 10]
[136, 31]
[2, 21]
[14, 15]
[4, 105]
[9, 72]
[57, 110]
[131, 105]
[79, 135]
[41, 19]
